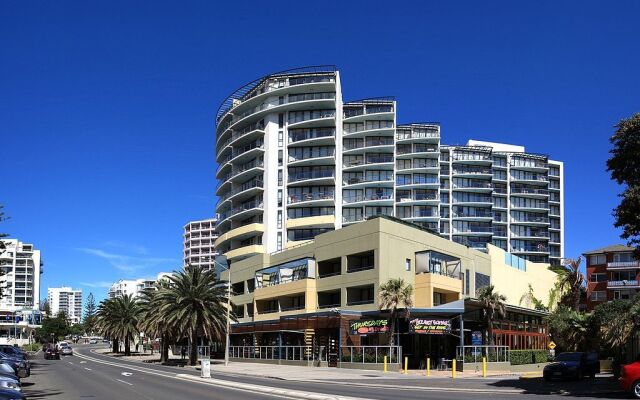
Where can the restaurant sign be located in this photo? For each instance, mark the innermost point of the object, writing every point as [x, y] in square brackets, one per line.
[364, 327]
[430, 326]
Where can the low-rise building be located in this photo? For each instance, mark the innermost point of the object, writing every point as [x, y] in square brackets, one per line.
[612, 273]
[67, 300]
[133, 286]
[313, 295]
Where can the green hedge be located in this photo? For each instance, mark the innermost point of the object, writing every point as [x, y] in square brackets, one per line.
[32, 347]
[519, 357]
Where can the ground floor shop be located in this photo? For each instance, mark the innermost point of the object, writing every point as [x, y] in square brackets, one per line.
[352, 339]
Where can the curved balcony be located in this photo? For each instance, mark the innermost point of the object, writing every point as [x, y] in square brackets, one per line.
[240, 233]
[314, 136]
[245, 135]
[530, 192]
[474, 187]
[465, 159]
[531, 220]
[417, 198]
[422, 216]
[473, 216]
[240, 174]
[368, 199]
[429, 152]
[369, 109]
[319, 221]
[415, 136]
[529, 164]
[244, 252]
[243, 211]
[362, 181]
[352, 219]
[294, 102]
[540, 248]
[245, 153]
[361, 133]
[530, 179]
[315, 177]
[479, 200]
[324, 118]
[246, 191]
[314, 157]
[473, 231]
[532, 207]
[471, 172]
[377, 162]
[404, 183]
[420, 167]
[542, 235]
[372, 145]
[298, 80]
[311, 199]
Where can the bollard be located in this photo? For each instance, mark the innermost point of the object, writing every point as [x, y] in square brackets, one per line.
[484, 367]
[385, 364]
[428, 366]
[453, 369]
[406, 364]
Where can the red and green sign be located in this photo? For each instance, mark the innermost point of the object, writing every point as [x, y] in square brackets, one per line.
[430, 326]
[364, 327]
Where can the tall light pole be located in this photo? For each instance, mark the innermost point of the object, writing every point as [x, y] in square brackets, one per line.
[223, 263]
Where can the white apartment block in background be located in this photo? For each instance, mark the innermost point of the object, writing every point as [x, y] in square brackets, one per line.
[67, 300]
[133, 287]
[295, 160]
[21, 267]
[199, 243]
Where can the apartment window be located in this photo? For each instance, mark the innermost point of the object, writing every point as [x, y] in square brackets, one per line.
[599, 296]
[467, 282]
[500, 202]
[281, 120]
[280, 156]
[502, 175]
[623, 257]
[279, 219]
[351, 214]
[280, 177]
[597, 259]
[623, 276]
[279, 244]
[482, 281]
[407, 264]
[280, 138]
[598, 277]
[438, 299]
[279, 197]
[303, 212]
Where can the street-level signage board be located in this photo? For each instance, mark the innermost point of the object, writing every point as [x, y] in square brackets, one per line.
[430, 326]
[367, 326]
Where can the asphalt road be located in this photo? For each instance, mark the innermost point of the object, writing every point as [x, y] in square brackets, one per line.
[95, 376]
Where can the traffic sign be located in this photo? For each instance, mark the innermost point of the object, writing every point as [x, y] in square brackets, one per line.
[551, 345]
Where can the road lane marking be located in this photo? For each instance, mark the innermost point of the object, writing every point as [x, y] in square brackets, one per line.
[69, 362]
[130, 384]
[83, 362]
[126, 374]
[88, 369]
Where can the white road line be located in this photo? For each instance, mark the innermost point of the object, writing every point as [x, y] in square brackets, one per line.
[69, 362]
[126, 374]
[130, 384]
[88, 369]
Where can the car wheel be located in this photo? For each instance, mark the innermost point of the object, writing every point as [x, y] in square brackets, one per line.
[635, 389]
[547, 379]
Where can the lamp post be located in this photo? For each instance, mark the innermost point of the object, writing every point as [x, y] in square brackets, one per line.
[223, 263]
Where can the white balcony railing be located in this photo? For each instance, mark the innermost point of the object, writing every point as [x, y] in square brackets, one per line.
[623, 265]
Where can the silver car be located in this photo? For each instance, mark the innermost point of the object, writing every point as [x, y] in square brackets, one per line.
[66, 351]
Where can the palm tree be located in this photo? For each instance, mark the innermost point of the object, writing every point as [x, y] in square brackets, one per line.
[395, 294]
[152, 322]
[118, 319]
[195, 304]
[570, 283]
[493, 304]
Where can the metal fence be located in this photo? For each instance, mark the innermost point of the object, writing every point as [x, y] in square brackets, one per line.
[474, 354]
[291, 353]
[371, 354]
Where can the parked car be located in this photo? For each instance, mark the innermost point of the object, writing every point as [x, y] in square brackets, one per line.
[8, 394]
[8, 371]
[23, 369]
[93, 341]
[66, 351]
[630, 378]
[573, 365]
[14, 351]
[51, 353]
[10, 383]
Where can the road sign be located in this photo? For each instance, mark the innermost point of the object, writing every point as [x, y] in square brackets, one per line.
[551, 345]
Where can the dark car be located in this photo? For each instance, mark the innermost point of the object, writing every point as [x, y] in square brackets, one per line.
[21, 366]
[14, 351]
[7, 394]
[574, 365]
[630, 378]
[51, 353]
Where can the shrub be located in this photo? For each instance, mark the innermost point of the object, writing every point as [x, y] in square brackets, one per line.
[520, 357]
[32, 347]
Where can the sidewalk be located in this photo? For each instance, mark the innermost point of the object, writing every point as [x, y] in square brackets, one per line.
[303, 373]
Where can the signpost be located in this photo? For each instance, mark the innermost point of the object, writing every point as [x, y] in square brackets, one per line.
[430, 326]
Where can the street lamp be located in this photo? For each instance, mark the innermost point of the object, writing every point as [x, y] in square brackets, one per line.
[224, 264]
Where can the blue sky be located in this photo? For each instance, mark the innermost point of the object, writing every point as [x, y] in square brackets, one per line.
[106, 107]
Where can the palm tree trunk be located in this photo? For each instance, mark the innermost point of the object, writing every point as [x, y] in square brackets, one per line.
[115, 346]
[165, 350]
[193, 354]
[127, 346]
[490, 332]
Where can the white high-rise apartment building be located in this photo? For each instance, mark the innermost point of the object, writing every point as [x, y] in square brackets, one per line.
[21, 267]
[295, 160]
[199, 243]
[133, 287]
[68, 300]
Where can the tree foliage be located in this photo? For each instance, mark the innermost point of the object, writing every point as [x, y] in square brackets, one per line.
[493, 305]
[624, 166]
[617, 322]
[89, 320]
[394, 295]
[118, 319]
[54, 327]
[569, 285]
[569, 328]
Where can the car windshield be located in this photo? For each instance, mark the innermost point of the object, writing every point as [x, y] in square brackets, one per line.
[569, 357]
